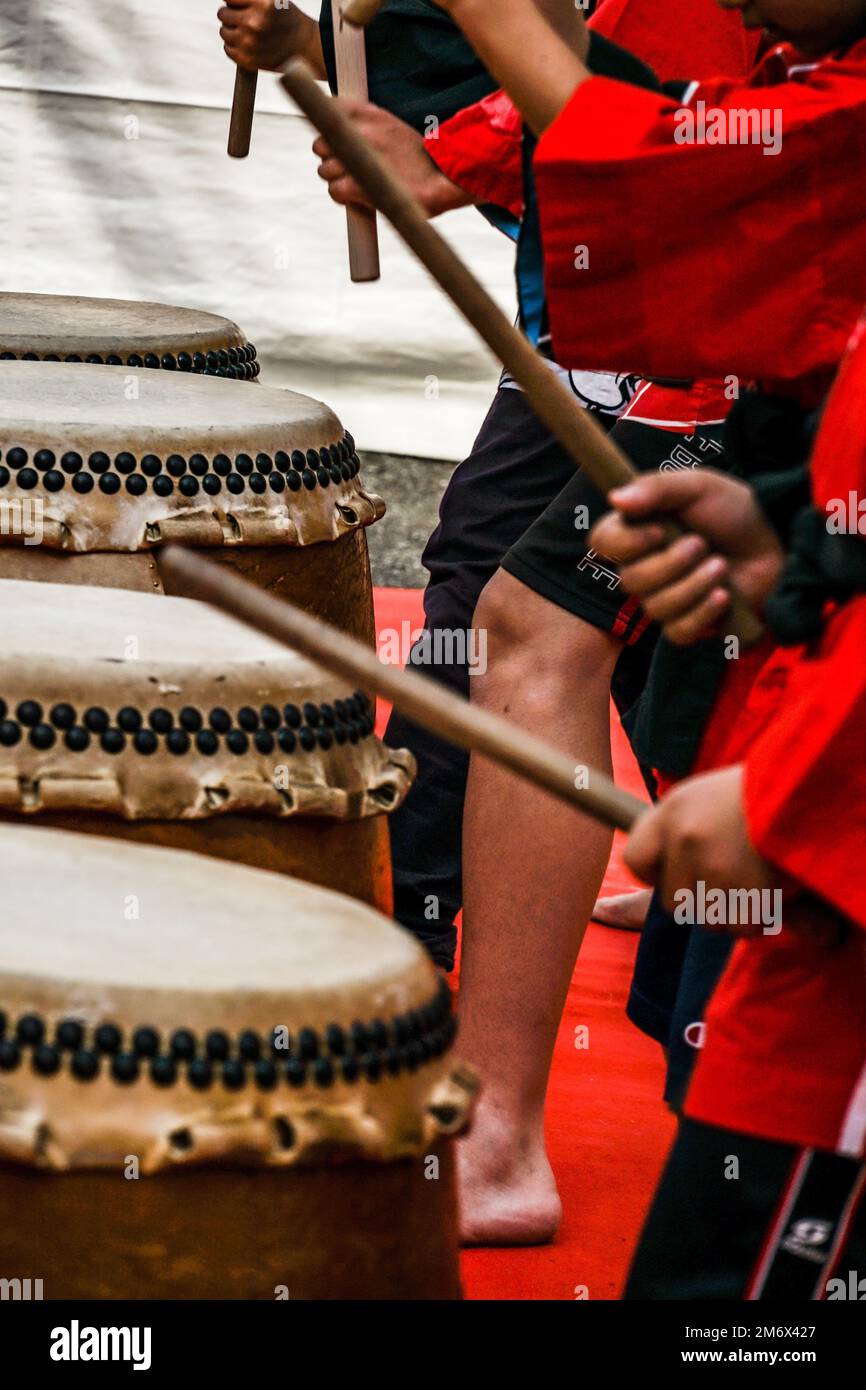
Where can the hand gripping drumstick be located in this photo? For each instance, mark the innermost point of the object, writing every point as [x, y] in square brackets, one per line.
[602, 461]
[351, 59]
[448, 715]
[241, 122]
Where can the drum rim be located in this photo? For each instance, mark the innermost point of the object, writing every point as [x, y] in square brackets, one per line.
[164, 330]
[358, 1052]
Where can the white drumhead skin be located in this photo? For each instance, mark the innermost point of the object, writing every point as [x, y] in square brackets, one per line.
[208, 944]
[148, 407]
[61, 324]
[68, 411]
[74, 622]
[96, 932]
[114, 650]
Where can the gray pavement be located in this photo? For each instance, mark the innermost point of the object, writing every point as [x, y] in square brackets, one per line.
[411, 489]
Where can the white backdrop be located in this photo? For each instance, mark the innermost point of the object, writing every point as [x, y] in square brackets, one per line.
[114, 181]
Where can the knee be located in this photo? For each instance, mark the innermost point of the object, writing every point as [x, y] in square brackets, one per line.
[500, 614]
[530, 638]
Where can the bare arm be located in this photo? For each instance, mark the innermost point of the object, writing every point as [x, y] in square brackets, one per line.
[405, 152]
[535, 51]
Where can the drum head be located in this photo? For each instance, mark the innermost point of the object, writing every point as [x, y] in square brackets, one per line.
[148, 707]
[120, 461]
[58, 327]
[162, 1005]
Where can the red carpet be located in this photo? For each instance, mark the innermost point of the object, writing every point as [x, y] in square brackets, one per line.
[607, 1129]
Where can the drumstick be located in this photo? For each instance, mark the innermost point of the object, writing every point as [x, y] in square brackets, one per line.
[595, 452]
[362, 12]
[446, 714]
[351, 59]
[241, 122]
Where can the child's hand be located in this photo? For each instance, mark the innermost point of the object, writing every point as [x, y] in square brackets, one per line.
[258, 34]
[403, 150]
[683, 585]
[697, 833]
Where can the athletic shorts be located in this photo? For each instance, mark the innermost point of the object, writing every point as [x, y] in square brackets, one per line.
[740, 1218]
[554, 558]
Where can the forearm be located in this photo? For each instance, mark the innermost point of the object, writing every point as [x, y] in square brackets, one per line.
[435, 190]
[537, 58]
[444, 195]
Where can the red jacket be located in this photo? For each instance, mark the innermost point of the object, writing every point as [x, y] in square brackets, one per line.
[479, 148]
[785, 1050]
[681, 39]
[712, 227]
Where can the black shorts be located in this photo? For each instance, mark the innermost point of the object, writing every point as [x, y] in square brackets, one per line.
[554, 558]
[515, 469]
[735, 1217]
[676, 969]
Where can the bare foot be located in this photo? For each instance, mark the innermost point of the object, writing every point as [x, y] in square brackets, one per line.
[624, 910]
[506, 1186]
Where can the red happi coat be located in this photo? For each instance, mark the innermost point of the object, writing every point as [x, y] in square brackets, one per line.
[764, 253]
[785, 1048]
[679, 39]
[480, 148]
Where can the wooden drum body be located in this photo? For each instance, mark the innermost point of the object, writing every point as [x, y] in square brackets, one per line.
[157, 719]
[217, 1083]
[98, 469]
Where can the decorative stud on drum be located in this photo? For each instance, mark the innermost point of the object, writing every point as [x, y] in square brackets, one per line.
[160, 720]
[99, 468]
[217, 1083]
[122, 333]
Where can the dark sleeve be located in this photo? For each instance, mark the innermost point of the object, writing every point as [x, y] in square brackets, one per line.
[608, 59]
[767, 442]
[418, 63]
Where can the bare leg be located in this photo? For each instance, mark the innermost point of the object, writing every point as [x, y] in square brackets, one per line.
[532, 870]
